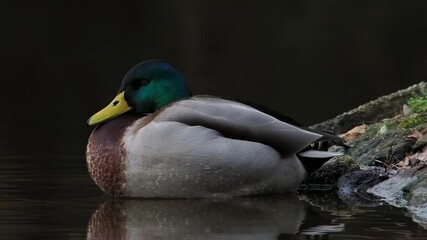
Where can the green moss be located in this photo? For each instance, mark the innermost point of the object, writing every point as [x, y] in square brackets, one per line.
[418, 103]
[410, 122]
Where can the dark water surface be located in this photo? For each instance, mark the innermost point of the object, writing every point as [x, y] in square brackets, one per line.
[54, 198]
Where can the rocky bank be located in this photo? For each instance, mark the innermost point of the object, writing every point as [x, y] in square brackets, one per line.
[387, 155]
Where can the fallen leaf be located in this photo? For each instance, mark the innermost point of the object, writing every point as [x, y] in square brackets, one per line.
[354, 133]
[401, 163]
[415, 134]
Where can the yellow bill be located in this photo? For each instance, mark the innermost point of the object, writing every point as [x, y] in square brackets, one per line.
[117, 107]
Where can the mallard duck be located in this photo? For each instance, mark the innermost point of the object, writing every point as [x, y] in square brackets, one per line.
[156, 140]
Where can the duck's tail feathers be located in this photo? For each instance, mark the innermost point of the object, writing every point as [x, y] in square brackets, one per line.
[314, 159]
[318, 154]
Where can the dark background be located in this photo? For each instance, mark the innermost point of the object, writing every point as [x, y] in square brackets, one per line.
[63, 61]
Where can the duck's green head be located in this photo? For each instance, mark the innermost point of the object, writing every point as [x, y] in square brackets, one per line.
[147, 87]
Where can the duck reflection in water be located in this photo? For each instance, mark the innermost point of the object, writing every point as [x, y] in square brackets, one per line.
[236, 218]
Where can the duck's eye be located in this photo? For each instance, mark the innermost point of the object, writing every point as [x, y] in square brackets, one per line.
[144, 82]
[139, 83]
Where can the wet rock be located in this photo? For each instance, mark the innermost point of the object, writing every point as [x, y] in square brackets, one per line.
[393, 189]
[417, 194]
[360, 180]
[353, 186]
[420, 143]
[332, 170]
[407, 189]
[417, 201]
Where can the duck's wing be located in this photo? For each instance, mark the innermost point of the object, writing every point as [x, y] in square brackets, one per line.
[278, 115]
[326, 136]
[239, 121]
